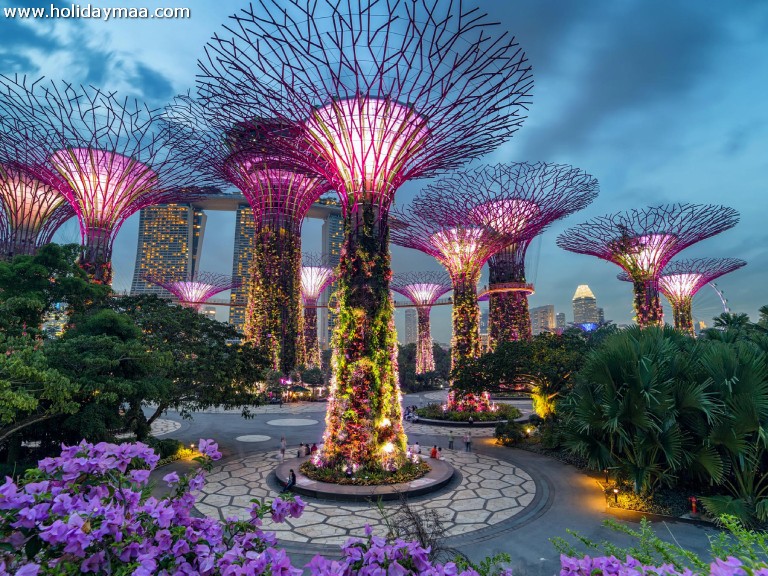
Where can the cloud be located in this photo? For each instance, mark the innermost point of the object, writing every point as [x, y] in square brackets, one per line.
[152, 84]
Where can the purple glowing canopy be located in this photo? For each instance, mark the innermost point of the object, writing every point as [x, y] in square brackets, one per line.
[421, 288]
[194, 290]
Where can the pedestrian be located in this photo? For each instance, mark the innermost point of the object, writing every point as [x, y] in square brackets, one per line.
[300, 451]
[433, 452]
[467, 442]
[440, 453]
[283, 445]
[281, 401]
[291, 481]
[471, 421]
[417, 448]
[313, 449]
[450, 440]
[307, 450]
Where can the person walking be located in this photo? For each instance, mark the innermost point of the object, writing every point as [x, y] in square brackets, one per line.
[450, 440]
[283, 446]
[467, 442]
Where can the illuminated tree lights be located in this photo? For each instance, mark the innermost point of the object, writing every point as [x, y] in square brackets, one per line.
[642, 242]
[682, 279]
[108, 157]
[193, 291]
[30, 211]
[423, 289]
[386, 92]
[520, 200]
[316, 276]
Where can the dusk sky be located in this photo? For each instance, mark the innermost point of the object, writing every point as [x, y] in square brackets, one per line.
[661, 101]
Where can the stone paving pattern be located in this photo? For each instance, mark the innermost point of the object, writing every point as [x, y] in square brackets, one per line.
[491, 491]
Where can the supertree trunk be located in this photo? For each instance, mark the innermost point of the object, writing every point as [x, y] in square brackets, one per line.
[311, 344]
[425, 361]
[466, 319]
[97, 255]
[509, 317]
[683, 315]
[273, 319]
[364, 421]
[648, 310]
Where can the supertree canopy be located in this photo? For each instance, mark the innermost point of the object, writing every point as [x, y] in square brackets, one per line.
[682, 279]
[30, 210]
[423, 289]
[316, 275]
[194, 290]
[246, 154]
[520, 200]
[108, 157]
[384, 92]
[642, 242]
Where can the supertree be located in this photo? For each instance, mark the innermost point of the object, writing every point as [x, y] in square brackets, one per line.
[642, 242]
[316, 275]
[682, 279]
[520, 200]
[443, 222]
[195, 289]
[256, 156]
[108, 157]
[384, 91]
[30, 210]
[423, 289]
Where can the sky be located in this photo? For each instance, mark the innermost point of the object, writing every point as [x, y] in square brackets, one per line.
[660, 101]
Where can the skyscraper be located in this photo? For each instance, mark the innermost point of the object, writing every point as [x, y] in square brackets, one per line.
[543, 319]
[245, 231]
[585, 306]
[560, 320]
[333, 238]
[209, 312]
[411, 326]
[169, 246]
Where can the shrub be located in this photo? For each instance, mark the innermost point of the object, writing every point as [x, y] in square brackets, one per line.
[436, 412]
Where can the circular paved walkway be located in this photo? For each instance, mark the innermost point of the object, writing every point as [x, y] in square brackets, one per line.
[488, 492]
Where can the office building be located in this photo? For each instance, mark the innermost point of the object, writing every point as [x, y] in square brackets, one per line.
[600, 316]
[209, 312]
[169, 246]
[333, 239]
[411, 326]
[543, 319]
[585, 306]
[245, 231]
[560, 321]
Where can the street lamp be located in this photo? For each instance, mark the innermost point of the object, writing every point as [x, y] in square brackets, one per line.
[615, 495]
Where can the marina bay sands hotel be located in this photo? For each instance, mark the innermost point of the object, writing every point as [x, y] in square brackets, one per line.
[171, 242]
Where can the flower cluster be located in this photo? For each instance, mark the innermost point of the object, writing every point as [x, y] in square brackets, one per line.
[587, 566]
[374, 556]
[468, 402]
[89, 511]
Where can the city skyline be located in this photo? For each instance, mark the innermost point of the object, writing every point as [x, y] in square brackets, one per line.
[627, 109]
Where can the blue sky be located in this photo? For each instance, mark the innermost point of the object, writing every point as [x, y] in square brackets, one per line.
[661, 101]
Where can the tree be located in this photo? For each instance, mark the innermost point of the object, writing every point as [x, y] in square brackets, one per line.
[31, 392]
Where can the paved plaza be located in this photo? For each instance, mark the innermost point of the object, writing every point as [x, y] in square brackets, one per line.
[500, 500]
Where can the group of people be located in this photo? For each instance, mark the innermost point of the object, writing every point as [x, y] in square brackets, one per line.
[303, 450]
[467, 441]
[410, 414]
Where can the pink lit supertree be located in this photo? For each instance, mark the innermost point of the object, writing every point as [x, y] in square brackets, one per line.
[423, 289]
[384, 92]
[255, 156]
[316, 275]
[520, 200]
[642, 242]
[195, 289]
[30, 210]
[108, 157]
[682, 279]
[443, 222]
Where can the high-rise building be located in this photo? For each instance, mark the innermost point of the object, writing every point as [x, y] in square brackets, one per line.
[543, 319]
[585, 306]
[333, 239]
[600, 316]
[209, 312]
[245, 231]
[411, 326]
[170, 244]
[560, 320]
